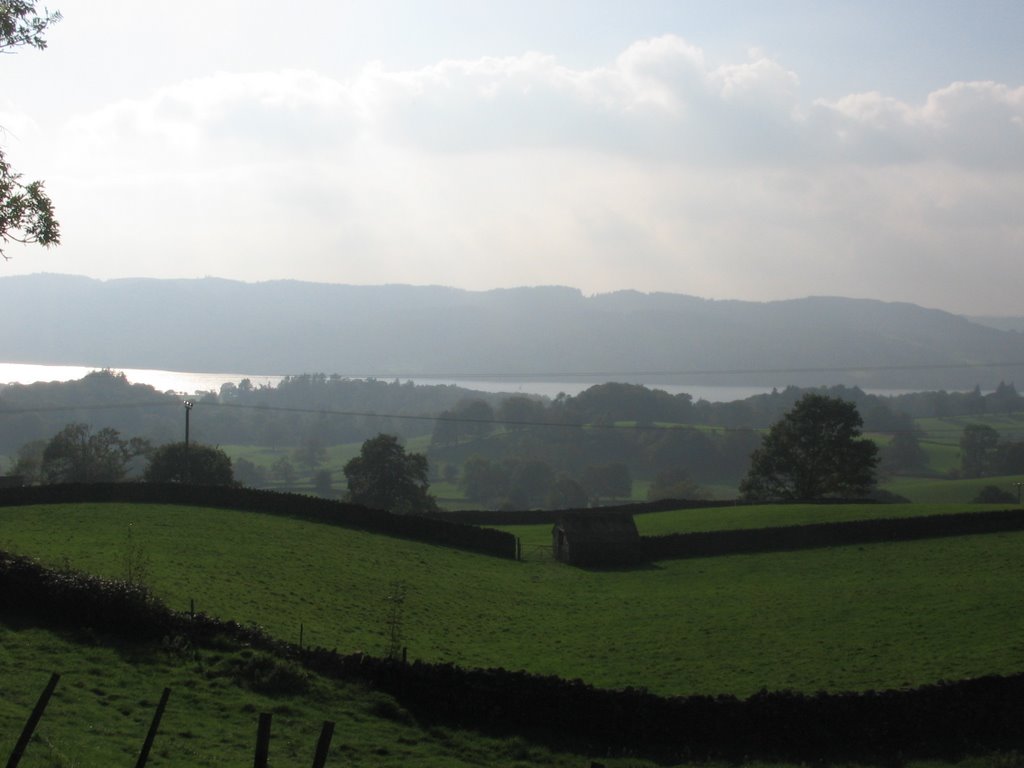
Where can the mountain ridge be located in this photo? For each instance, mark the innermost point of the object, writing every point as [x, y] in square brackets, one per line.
[289, 326]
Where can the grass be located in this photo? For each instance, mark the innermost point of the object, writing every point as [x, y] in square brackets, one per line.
[850, 618]
[947, 429]
[941, 436]
[102, 707]
[936, 491]
[769, 515]
[536, 539]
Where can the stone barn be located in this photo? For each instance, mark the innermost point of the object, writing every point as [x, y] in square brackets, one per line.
[596, 538]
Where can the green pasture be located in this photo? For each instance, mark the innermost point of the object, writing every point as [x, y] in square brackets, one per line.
[101, 709]
[930, 490]
[940, 437]
[942, 456]
[264, 456]
[103, 704]
[536, 539]
[848, 618]
[947, 429]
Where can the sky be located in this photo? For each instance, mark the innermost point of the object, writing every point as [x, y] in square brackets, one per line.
[729, 150]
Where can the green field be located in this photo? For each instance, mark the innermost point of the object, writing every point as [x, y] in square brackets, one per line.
[937, 491]
[536, 539]
[941, 436]
[849, 618]
[102, 707]
[854, 618]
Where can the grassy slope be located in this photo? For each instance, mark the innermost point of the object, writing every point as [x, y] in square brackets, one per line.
[844, 618]
[100, 712]
[102, 706]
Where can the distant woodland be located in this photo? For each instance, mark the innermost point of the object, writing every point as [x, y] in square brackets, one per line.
[512, 451]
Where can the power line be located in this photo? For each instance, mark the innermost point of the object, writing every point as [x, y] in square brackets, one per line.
[90, 407]
[443, 418]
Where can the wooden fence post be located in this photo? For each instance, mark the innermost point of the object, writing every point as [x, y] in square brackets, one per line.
[148, 743]
[263, 741]
[33, 721]
[323, 744]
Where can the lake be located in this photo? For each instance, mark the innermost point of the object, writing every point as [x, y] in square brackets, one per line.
[191, 382]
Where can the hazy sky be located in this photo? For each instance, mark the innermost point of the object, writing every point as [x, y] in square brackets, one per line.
[749, 150]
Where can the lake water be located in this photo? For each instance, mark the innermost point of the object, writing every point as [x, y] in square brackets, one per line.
[189, 383]
[164, 381]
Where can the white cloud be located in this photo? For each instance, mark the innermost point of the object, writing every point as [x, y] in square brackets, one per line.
[217, 120]
[658, 100]
[760, 82]
[970, 124]
[657, 171]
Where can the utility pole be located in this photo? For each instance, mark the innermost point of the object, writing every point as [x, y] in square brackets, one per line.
[188, 412]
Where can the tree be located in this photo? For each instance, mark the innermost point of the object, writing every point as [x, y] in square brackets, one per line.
[529, 483]
[311, 453]
[484, 481]
[199, 465]
[283, 470]
[322, 482]
[26, 212]
[476, 417]
[1004, 400]
[76, 455]
[519, 412]
[446, 430]
[567, 493]
[384, 476]
[1009, 459]
[904, 452]
[609, 481]
[978, 444]
[249, 475]
[674, 484]
[993, 494]
[814, 451]
[29, 461]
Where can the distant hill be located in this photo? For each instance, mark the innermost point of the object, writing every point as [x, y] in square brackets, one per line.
[546, 332]
[1002, 322]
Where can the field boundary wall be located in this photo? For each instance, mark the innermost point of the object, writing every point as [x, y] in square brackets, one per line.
[311, 508]
[551, 516]
[818, 535]
[946, 721]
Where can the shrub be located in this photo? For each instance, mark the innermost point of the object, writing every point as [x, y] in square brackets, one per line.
[992, 494]
[267, 674]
